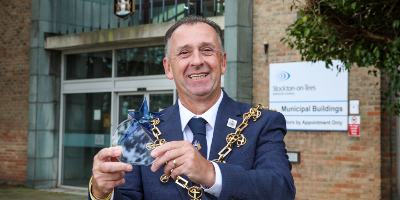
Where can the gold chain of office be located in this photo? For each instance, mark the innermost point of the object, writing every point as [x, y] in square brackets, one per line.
[196, 192]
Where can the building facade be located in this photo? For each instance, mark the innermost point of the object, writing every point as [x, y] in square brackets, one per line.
[70, 69]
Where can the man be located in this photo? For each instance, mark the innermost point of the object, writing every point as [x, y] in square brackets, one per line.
[259, 169]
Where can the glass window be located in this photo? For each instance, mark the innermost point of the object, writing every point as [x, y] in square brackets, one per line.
[169, 11]
[89, 65]
[87, 122]
[208, 6]
[159, 102]
[140, 61]
[128, 102]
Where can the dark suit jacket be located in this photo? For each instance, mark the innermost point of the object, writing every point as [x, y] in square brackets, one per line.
[258, 170]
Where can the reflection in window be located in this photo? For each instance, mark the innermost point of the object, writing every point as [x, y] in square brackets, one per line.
[128, 102]
[208, 9]
[169, 12]
[89, 65]
[140, 61]
[159, 102]
[87, 113]
[87, 123]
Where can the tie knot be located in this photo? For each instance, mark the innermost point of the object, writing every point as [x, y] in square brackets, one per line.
[198, 125]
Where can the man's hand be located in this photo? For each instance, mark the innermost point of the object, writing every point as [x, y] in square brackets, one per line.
[188, 160]
[108, 172]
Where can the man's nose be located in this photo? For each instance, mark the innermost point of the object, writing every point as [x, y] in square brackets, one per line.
[197, 59]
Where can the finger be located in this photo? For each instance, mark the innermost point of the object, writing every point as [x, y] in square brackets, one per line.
[176, 172]
[105, 153]
[114, 176]
[184, 168]
[114, 159]
[102, 177]
[200, 171]
[109, 167]
[170, 165]
[169, 156]
[160, 150]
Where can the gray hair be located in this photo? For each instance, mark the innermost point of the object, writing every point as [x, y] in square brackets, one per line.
[191, 19]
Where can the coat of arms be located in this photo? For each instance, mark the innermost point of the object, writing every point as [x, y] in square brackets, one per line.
[124, 8]
[196, 145]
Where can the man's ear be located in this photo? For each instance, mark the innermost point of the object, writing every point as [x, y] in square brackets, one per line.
[168, 69]
[223, 63]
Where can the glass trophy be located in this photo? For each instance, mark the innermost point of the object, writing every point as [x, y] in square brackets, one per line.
[133, 135]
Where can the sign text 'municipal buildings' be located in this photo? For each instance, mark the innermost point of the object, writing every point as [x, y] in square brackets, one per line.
[310, 96]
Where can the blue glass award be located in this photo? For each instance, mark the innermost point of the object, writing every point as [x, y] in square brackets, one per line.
[134, 134]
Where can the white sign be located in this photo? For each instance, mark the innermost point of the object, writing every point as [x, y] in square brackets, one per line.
[97, 114]
[354, 107]
[310, 96]
[293, 157]
[99, 139]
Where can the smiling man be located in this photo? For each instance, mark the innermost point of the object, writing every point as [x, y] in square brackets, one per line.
[196, 129]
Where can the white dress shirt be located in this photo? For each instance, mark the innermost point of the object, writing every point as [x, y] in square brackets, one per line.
[210, 116]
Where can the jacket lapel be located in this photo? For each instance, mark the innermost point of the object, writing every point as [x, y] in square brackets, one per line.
[170, 124]
[227, 109]
[170, 127]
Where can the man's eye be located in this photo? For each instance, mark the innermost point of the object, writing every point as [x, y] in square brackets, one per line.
[184, 52]
[208, 49]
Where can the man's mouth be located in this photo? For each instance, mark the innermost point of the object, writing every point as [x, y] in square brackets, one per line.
[198, 76]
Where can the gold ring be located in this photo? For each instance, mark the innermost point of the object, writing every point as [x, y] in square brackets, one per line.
[174, 163]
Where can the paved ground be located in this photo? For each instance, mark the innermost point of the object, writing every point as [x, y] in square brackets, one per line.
[14, 192]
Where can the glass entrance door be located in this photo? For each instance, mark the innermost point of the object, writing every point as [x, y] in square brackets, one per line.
[87, 127]
[95, 97]
[87, 124]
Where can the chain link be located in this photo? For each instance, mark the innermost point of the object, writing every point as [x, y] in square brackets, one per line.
[238, 137]
[196, 192]
[156, 133]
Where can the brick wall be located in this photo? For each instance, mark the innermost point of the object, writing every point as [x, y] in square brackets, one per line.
[333, 165]
[15, 20]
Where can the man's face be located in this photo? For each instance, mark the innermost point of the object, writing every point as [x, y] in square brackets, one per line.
[195, 62]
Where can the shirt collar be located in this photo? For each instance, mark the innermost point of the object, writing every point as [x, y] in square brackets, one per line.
[210, 115]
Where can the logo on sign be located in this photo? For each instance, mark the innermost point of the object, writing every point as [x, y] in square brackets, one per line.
[283, 76]
[354, 120]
